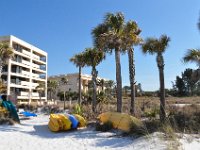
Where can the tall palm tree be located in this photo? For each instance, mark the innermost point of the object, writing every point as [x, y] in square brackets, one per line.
[158, 46]
[64, 81]
[107, 37]
[101, 83]
[52, 85]
[40, 89]
[130, 39]
[5, 54]
[93, 57]
[193, 55]
[78, 61]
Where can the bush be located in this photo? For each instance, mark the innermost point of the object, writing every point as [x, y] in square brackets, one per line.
[3, 112]
[7, 121]
[137, 128]
[4, 117]
[104, 127]
[152, 113]
[186, 119]
[51, 109]
[27, 107]
[77, 109]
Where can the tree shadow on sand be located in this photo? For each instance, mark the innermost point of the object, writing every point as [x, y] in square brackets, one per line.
[107, 139]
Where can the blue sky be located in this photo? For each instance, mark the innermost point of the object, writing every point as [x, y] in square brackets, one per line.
[63, 28]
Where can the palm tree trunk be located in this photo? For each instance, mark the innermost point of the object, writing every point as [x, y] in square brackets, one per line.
[119, 80]
[1, 68]
[50, 95]
[160, 62]
[132, 79]
[79, 86]
[94, 76]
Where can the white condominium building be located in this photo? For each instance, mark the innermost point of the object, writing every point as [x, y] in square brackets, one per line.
[25, 71]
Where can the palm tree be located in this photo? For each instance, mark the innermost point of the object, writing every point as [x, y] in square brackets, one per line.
[101, 83]
[107, 37]
[92, 57]
[110, 84]
[52, 85]
[64, 81]
[193, 55]
[78, 61]
[5, 54]
[3, 87]
[40, 88]
[131, 38]
[158, 46]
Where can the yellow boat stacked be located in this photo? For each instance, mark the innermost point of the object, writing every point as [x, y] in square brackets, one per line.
[82, 121]
[61, 122]
[120, 121]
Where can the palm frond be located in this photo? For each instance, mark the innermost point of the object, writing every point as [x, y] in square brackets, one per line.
[153, 45]
[93, 56]
[6, 52]
[192, 55]
[78, 60]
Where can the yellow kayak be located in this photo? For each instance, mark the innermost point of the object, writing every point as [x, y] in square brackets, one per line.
[59, 122]
[120, 121]
[81, 120]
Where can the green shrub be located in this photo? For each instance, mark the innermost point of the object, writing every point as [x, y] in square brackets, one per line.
[77, 110]
[152, 125]
[137, 127]
[51, 109]
[152, 113]
[186, 119]
[3, 112]
[7, 121]
[4, 117]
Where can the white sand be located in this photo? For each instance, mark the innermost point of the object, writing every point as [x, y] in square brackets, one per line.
[33, 134]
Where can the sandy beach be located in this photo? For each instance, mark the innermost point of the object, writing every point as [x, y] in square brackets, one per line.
[34, 134]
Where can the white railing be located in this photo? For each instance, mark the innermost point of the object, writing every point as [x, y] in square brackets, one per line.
[25, 73]
[35, 57]
[26, 62]
[35, 75]
[36, 66]
[25, 83]
[24, 94]
[34, 94]
[26, 52]
[35, 84]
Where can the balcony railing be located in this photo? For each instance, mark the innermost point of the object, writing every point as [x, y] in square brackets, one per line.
[35, 57]
[36, 66]
[24, 93]
[25, 73]
[34, 94]
[25, 52]
[25, 83]
[35, 75]
[35, 84]
[26, 62]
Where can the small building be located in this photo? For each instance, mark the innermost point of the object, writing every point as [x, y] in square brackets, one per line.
[73, 82]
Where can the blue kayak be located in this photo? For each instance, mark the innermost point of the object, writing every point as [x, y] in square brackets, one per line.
[73, 120]
[28, 114]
